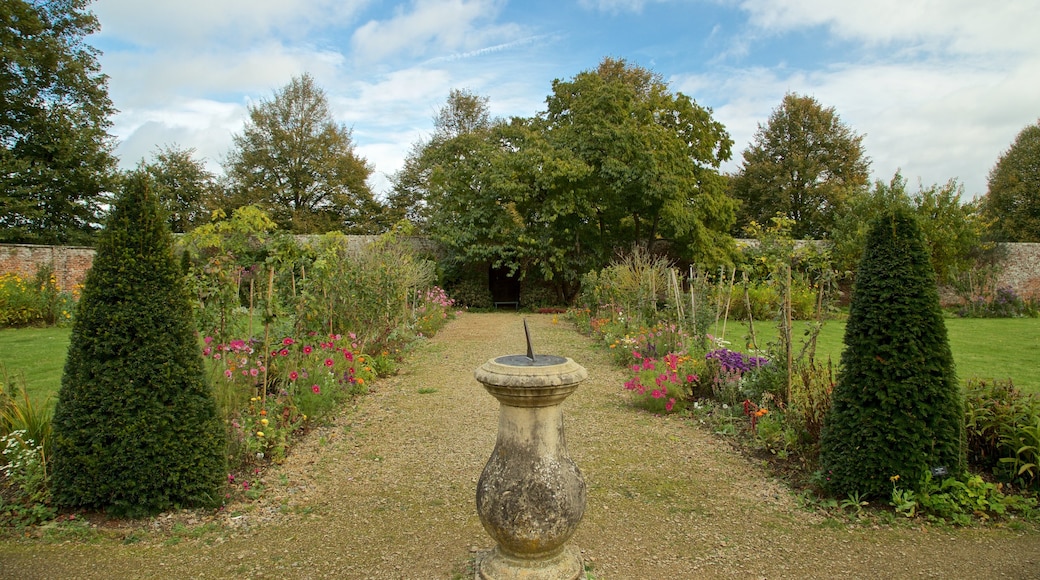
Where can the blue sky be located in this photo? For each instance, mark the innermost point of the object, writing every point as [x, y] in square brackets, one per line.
[939, 88]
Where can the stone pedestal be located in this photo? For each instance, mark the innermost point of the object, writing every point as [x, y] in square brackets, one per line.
[531, 495]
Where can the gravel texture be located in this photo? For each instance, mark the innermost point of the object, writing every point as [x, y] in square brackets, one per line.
[387, 491]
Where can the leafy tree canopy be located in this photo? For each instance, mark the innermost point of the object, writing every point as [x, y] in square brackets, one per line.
[953, 229]
[1013, 199]
[296, 162]
[652, 159]
[182, 185]
[615, 160]
[805, 163]
[56, 165]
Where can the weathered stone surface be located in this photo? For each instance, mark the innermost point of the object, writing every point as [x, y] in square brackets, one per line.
[531, 495]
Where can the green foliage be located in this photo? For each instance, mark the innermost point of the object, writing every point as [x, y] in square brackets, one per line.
[649, 160]
[897, 408]
[472, 292]
[55, 153]
[25, 445]
[34, 302]
[1013, 200]
[1003, 431]
[366, 290]
[615, 161]
[634, 287]
[294, 160]
[803, 164]
[958, 500]
[183, 186]
[134, 400]
[953, 230]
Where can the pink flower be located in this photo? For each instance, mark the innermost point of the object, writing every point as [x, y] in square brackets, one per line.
[316, 389]
[206, 351]
[669, 405]
[287, 341]
[227, 373]
[691, 378]
[636, 355]
[284, 352]
[657, 394]
[348, 355]
[329, 362]
[293, 376]
[208, 339]
[254, 372]
[308, 349]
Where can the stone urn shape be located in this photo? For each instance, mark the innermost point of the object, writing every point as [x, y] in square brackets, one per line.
[531, 495]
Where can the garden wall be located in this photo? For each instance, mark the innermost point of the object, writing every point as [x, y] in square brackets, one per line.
[1021, 264]
[1021, 269]
[70, 262]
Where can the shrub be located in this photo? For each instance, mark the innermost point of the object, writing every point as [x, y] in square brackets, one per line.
[135, 428]
[896, 408]
[1002, 430]
[1003, 303]
[34, 301]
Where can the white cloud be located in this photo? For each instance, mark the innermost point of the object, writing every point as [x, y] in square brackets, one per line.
[169, 23]
[204, 125]
[432, 26]
[935, 121]
[963, 26]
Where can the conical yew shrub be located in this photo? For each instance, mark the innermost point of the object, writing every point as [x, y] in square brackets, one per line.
[136, 428]
[896, 409]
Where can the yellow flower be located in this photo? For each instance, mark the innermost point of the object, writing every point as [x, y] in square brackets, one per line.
[259, 433]
[894, 478]
[263, 422]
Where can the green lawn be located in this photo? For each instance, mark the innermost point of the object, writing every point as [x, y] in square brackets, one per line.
[35, 355]
[982, 347]
[985, 348]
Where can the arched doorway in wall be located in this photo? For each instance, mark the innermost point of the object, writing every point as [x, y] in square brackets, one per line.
[505, 289]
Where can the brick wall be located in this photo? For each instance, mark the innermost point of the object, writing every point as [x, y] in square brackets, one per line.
[70, 262]
[1021, 265]
[1021, 269]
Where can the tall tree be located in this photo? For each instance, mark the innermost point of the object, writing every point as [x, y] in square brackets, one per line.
[1013, 200]
[653, 159]
[804, 164]
[294, 160]
[434, 168]
[136, 429]
[182, 185]
[896, 409]
[56, 165]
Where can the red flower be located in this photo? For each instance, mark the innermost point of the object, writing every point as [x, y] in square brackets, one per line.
[328, 362]
[287, 341]
[293, 376]
[284, 352]
[316, 389]
[308, 349]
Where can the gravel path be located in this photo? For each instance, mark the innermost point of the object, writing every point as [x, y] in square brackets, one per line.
[387, 491]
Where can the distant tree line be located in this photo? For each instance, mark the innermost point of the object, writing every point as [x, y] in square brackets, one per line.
[615, 160]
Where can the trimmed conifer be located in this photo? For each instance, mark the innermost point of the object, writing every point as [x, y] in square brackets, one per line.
[136, 428]
[896, 408]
